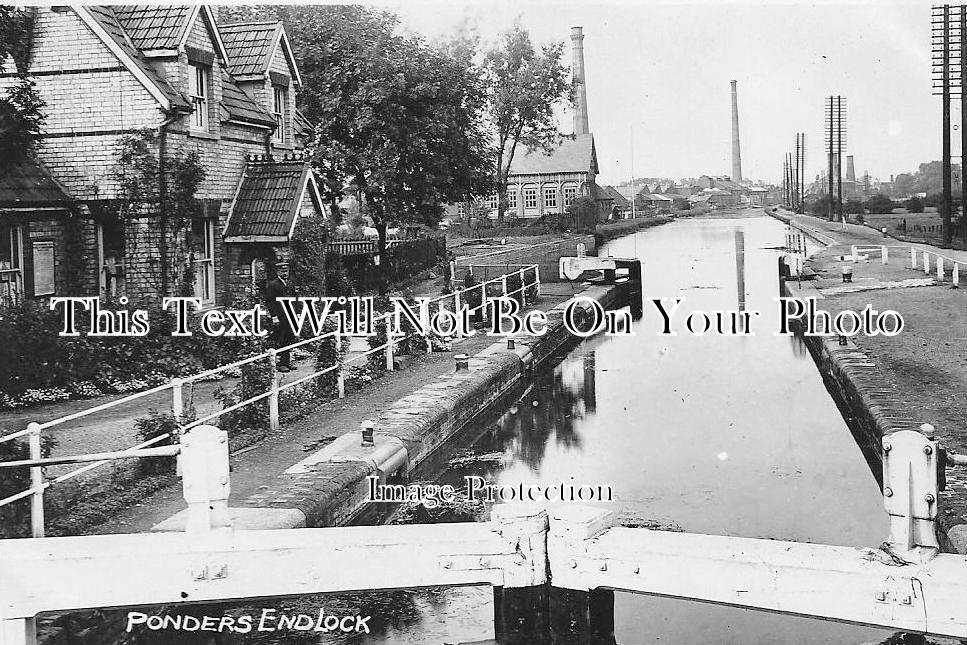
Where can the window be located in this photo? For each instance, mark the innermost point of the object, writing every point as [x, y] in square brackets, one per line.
[199, 97]
[461, 209]
[570, 191]
[110, 258]
[550, 196]
[11, 263]
[203, 258]
[278, 109]
[530, 196]
[493, 201]
[512, 199]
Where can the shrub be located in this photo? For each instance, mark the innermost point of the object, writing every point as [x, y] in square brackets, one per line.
[15, 517]
[914, 205]
[879, 204]
[155, 425]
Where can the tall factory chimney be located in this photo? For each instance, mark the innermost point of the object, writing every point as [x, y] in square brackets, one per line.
[850, 169]
[577, 77]
[736, 152]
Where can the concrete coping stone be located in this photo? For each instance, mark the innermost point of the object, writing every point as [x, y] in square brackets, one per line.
[387, 454]
[243, 519]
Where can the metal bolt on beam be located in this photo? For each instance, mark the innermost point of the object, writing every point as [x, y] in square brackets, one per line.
[887, 492]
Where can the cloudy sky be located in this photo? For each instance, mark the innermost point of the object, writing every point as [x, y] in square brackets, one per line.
[658, 78]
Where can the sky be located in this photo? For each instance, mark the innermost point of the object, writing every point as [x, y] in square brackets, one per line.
[658, 75]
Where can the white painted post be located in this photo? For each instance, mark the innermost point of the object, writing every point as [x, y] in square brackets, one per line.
[955, 278]
[537, 279]
[274, 396]
[913, 258]
[204, 451]
[425, 322]
[483, 301]
[503, 285]
[940, 271]
[885, 255]
[340, 377]
[926, 262]
[36, 483]
[18, 631]
[855, 254]
[389, 343]
[456, 304]
[177, 402]
[522, 289]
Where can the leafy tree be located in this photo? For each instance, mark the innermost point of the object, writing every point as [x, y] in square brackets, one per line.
[879, 203]
[853, 207]
[903, 184]
[523, 88]
[681, 204]
[21, 116]
[914, 205]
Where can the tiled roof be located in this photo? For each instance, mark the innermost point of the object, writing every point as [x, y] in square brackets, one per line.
[600, 194]
[154, 26]
[249, 46]
[29, 184]
[107, 18]
[268, 198]
[241, 107]
[572, 155]
[302, 125]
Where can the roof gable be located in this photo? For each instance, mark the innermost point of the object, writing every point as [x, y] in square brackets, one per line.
[251, 47]
[268, 199]
[241, 107]
[156, 26]
[29, 185]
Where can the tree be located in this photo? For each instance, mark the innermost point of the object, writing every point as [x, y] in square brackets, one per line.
[853, 207]
[21, 116]
[914, 205]
[523, 89]
[879, 203]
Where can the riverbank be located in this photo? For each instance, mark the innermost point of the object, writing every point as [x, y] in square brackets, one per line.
[918, 376]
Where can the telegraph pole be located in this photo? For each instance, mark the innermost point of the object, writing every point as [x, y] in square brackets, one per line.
[801, 140]
[947, 25]
[834, 151]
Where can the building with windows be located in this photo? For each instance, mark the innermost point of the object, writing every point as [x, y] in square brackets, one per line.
[224, 92]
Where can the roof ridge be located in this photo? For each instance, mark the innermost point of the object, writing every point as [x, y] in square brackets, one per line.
[254, 23]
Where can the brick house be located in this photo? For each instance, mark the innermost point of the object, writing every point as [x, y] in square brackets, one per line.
[226, 92]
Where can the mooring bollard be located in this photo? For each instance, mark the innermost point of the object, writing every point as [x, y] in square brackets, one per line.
[367, 430]
[205, 477]
[847, 273]
[511, 344]
[883, 230]
[463, 362]
[842, 339]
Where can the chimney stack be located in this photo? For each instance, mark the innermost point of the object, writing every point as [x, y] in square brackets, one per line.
[577, 77]
[850, 169]
[736, 152]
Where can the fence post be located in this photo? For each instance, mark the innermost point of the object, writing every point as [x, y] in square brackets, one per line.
[340, 379]
[926, 262]
[274, 396]
[389, 344]
[456, 304]
[503, 285]
[855, 254]
[425, 322]
[36, 483]
[940, 272]
[955, 278]
[913, 258]
[885, 255]
[537, 280]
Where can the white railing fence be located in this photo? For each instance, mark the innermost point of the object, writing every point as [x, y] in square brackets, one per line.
[920, 259]
[528, 275]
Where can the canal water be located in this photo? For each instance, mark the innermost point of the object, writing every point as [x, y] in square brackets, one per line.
[721, 435]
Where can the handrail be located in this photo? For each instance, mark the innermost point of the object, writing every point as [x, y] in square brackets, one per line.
[39, 485]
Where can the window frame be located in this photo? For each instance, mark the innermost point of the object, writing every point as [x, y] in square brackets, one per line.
[200, 101]
[531, 197]
[569, 192]
[279, 136]
[203, 263]
[512, 200]
[549, 190]
[12, 238]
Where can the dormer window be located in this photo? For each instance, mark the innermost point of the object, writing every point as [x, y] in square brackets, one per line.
[278, 109]
[200, 92]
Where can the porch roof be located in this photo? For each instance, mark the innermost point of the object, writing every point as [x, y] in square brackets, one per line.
[29, 185]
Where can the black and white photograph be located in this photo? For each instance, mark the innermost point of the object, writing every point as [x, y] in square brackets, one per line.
[483, 323]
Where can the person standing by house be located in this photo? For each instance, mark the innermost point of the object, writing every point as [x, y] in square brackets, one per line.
[275, 288]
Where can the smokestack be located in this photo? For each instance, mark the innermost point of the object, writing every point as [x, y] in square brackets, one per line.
[736, 152]
[850, 169]
[577, 77]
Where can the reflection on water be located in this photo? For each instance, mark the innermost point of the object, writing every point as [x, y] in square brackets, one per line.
[726, 435]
